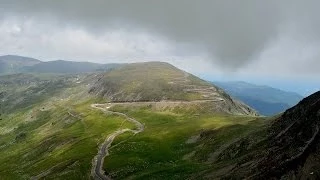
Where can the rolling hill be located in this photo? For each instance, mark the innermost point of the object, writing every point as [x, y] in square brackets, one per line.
[266, 100]
[159, 81]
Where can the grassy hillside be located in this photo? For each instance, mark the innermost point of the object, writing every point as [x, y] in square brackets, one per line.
[266, 100]
[159, 81]
[175, 144]
[50, 130]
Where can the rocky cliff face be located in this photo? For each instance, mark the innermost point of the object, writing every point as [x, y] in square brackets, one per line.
[289, 150]
[294, 142]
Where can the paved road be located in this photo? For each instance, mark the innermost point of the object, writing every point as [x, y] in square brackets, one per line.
[97, 169]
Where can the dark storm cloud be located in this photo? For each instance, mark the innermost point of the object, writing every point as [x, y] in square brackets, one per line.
[232, 32]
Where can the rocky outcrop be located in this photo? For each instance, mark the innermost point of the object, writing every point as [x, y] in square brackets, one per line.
[289, 150]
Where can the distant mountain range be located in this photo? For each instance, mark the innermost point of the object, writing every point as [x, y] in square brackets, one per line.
[11, 64]
[266, 100]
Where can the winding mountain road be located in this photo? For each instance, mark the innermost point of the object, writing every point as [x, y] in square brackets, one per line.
[97, 167]
[97, 163]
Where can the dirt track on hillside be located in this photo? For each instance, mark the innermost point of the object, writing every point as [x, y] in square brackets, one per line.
[97, 163]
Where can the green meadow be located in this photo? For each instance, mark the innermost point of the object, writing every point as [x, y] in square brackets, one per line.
[56, 143]
[173, 145]
[60, 141]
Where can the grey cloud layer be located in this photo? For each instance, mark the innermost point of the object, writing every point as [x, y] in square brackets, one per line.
[233, 32]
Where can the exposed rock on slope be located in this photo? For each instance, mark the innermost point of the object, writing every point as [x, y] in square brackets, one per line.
[290, 150]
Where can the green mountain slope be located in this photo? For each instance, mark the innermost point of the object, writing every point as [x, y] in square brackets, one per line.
[158, 81]
[266, 100]
[51, 126]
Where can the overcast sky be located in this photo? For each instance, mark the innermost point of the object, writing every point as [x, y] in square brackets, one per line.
[229, 39]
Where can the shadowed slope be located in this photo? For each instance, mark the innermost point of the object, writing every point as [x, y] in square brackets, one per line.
[289, 150]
